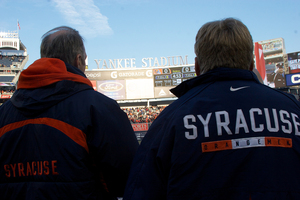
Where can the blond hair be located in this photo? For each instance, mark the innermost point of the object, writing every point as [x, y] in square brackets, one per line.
[224, 43]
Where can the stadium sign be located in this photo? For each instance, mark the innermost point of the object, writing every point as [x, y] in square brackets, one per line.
[140, 127]
[5, 96]
[294, 62]
[147, 62]
[120, 74]
[131, 74]
[292, 79]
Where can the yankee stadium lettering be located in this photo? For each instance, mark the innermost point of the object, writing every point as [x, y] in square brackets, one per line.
[270, 119]
[147, 62]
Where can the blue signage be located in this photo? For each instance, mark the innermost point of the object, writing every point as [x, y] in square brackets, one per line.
[292, 79]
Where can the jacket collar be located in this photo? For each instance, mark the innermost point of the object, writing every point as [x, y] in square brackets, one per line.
[47, 71]
[219, 74]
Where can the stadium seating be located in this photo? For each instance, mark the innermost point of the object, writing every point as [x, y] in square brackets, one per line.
[143, 114]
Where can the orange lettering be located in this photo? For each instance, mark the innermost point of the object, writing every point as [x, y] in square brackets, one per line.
[216, 146]
[279, 142]
[46, 167]
[33, 172]
[53, 162]
[28, 173]
[6, 168]
[21, 169]
[13, 167]
[40, 168]
[30, 168]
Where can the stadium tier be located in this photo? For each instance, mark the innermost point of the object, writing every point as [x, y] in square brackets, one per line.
[13, 57]
[4, 79]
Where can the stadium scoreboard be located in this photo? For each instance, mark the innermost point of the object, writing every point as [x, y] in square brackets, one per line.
[139, 83]
[164, 77]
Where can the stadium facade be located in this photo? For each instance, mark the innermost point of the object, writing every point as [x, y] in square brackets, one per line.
[140, 86]
[150, 83]
[13, 57]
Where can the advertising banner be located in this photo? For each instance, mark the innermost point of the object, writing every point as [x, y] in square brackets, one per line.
[163, 92]
[140, 127]
[294, 62]
[273, 51]
[5, 96]
[292, 79]
[119, 74]
[114, 89]
[140, 130]
[123, 84]
[139, 89]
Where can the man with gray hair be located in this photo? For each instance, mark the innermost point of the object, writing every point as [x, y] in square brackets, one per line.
[59, 138]
[227, 136]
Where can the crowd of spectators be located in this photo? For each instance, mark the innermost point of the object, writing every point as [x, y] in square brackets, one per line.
[143, 114]
[7, 91]
[12, 58]
[16, 58]
[7, 61]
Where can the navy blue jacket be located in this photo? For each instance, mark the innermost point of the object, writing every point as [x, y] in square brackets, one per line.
[62, 140]
[226, 137]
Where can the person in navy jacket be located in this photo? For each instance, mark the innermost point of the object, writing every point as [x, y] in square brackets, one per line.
[60, 139]
[227, 136]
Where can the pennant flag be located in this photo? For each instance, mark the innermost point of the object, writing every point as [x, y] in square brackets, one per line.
[260, 61]
[19, 26]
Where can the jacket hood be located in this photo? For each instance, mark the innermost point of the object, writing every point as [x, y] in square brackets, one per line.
[45, 83]
[219, 74]
[46, 71]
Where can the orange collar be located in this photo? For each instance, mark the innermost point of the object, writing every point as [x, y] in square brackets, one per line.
[46, 71]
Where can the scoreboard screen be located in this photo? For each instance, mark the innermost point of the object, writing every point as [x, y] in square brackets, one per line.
[172, 76]
[294, 62]
[168, 78]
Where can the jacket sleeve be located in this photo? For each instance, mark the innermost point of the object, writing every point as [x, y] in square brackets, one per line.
[113, 144]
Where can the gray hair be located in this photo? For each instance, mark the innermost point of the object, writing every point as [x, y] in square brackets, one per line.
[63, 43]
[224, 43]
